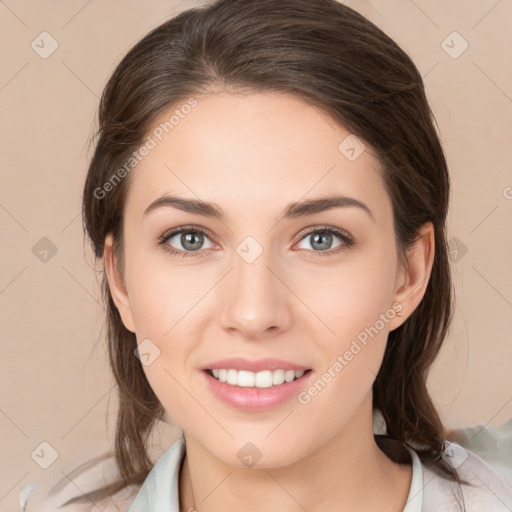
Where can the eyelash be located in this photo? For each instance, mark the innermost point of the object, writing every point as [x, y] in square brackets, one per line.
[347, 240]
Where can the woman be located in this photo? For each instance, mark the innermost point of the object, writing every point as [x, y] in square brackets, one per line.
[269, 196]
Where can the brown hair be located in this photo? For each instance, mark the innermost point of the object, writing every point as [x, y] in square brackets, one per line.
[331, 57]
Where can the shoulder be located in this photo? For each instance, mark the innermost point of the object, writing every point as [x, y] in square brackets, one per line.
[491, 443]
[482, 488]
[76, 479]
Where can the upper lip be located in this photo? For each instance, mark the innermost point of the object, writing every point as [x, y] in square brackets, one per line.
[254, 365]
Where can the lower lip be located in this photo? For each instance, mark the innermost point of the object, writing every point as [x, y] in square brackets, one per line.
[256, 399]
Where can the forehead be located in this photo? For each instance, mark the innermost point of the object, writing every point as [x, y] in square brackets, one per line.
[245, 148]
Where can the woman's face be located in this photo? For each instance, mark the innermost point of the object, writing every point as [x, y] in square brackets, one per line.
[260, 284]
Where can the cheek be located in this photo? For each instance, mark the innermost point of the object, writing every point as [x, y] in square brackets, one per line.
[350, 300]
[346, 378]
[162, 295]
[167, 312]
[355, 310]
[170, 387]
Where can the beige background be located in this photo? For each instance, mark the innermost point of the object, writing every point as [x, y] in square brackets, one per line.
[55, 383]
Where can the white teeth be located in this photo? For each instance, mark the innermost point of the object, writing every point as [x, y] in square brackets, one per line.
[245, 379]
[263, 379]
[278, 377]
[232, 377]
[289, 375]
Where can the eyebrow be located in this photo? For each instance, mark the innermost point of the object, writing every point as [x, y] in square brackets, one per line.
[292, 211]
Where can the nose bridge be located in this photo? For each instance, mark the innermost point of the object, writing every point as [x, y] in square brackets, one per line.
[253, 300]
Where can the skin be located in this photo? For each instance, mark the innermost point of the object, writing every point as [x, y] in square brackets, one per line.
[253, 154]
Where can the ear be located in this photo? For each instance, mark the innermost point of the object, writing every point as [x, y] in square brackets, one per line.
[414, 275]
[116, 284]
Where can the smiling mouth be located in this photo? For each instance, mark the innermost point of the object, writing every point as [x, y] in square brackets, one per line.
[263, 379]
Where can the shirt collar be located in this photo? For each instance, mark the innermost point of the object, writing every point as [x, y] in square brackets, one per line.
[414, 501]
[158, 496]
[160, 490]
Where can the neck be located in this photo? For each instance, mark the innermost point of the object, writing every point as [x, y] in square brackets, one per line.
[348, 472]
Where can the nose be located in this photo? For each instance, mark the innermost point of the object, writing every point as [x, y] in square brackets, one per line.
[254, 299]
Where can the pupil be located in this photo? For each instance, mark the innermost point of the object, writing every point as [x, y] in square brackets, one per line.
[322, 238]
[187, 238]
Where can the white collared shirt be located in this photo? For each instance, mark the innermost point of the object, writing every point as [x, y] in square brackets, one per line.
[428, 492]
[486, 490]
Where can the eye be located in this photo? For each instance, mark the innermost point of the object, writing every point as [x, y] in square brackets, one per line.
[321, 240]
[188, 239]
